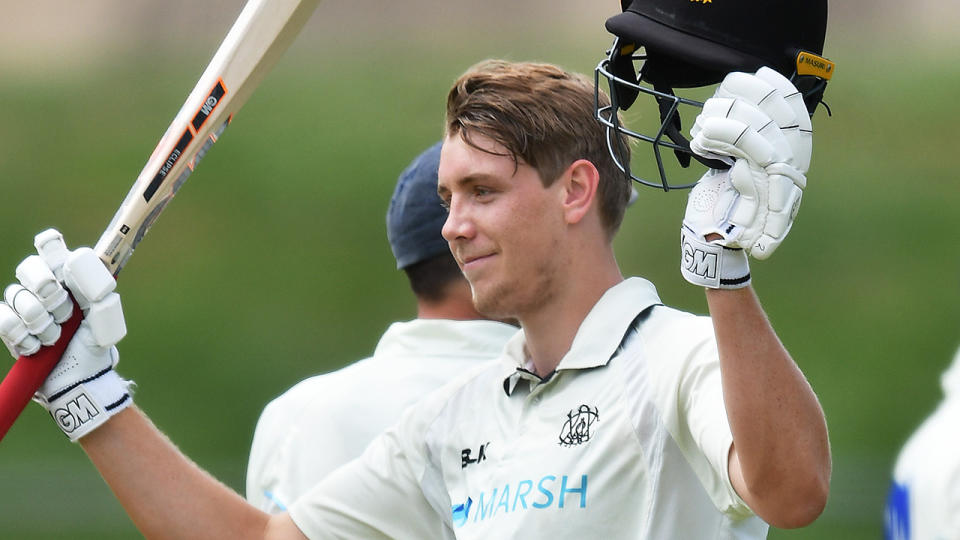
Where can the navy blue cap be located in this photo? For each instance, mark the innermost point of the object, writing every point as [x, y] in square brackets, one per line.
[415, 217]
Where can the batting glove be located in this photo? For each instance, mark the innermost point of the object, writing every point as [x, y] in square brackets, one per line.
[83, 390]
[758, 124]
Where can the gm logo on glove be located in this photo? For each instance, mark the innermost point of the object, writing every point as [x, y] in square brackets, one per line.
[699, 262]
[75, 410]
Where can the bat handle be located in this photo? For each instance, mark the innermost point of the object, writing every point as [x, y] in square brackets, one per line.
[29, 372]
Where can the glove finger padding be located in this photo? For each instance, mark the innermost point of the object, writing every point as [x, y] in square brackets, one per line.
[776, 96]
[53, 250]
[35, 275]
[726, 128]
[38, 321]
[759, 91]
[92, 286]
[758, 122]
[14, 334]
[800, 133]
[747, 214]
[783, 203]
[765, 210]
[724, 121]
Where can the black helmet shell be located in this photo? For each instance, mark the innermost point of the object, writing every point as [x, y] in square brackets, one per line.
[691, 43]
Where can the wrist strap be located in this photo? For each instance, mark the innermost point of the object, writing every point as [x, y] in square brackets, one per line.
[711, 265]
[85, 406]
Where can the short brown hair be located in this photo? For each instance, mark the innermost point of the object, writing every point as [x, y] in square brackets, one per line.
[430, 278]
[544, 117]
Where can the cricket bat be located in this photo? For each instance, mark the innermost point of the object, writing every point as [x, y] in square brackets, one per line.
[260, 35]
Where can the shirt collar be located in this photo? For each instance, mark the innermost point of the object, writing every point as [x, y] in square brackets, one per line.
[463, 339]
[598, 338]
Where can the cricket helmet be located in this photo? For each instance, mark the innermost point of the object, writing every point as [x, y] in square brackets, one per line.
[661, 45]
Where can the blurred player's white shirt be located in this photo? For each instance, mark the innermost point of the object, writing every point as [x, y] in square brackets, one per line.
[327, 420]
[924, 503]
[628, 439]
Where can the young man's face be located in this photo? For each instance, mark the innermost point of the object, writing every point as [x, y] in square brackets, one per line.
[504, 229]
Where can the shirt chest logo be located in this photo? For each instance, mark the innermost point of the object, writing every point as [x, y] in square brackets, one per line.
[577, 429]
[466, 455]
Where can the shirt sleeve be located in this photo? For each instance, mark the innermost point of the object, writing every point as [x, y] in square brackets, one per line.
[266, 454]
[308, 432]
[689, 394]
[701, 398]
[381, 493]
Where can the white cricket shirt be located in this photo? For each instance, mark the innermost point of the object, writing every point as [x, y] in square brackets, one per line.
[327, 420]
[924, 503]
[628, 439]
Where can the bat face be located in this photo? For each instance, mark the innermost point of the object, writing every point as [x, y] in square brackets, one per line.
[256, 41]
[188, 135]
[153, 198]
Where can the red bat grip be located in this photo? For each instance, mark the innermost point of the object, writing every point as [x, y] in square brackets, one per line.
[29, 372]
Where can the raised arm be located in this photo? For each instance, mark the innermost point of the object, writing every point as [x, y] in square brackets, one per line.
[779, 461]
[165, 494]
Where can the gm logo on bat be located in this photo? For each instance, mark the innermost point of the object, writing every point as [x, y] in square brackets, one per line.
[208, 105]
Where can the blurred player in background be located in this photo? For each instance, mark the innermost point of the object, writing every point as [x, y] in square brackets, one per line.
[327, 420]
[924, 501]
[609, 415]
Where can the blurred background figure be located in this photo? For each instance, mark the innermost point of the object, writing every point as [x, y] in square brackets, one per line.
[924, 501]
[327, 420]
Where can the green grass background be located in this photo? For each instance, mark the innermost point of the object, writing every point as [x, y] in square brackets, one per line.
[272, 263]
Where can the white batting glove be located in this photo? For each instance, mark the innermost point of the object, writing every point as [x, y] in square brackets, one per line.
[83, 390]
[759, 124]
